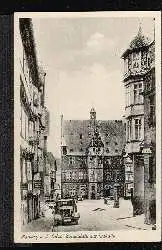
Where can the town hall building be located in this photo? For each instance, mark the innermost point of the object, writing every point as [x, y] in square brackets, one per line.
[91, 157]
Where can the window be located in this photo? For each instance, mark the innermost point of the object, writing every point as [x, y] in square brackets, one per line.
[116, 151]
[137, 129]
[64, 150]
[81, 149]
[93, 149]
[71, 150]
[128, 96]
[129, 130]
[68, 176]
[138, 93]
[80, 136]
[73, 175]
[71, 160]
[107, 150]
[129, 177]
[80, 175]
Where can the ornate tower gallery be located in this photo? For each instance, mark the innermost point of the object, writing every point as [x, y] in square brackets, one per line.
[137, 63]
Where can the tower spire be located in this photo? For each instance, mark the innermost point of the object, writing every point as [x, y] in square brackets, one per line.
[140, 28]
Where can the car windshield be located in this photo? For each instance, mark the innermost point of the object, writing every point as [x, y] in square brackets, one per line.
[66, 203]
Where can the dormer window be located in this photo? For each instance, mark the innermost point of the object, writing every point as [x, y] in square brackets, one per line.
[107, 150]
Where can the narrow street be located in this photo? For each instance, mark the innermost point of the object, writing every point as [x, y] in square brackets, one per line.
[97, 216]
[94, 216]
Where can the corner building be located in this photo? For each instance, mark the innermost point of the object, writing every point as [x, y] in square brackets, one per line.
[137, 63]
[91, 157]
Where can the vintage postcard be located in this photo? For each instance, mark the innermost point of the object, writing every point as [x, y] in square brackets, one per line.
[87, 91]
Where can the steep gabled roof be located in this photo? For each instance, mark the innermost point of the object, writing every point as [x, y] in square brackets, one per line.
[77, 136]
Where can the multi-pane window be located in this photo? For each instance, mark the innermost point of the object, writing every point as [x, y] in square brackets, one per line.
[137, 129]
[71, 160]
[68, 175]
[129, 130]
[80, 175]
[129, 177]
[136, 59]
[73, 176]
[138, 93]
[128, 96]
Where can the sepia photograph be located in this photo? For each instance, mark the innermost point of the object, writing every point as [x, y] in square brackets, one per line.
[87, 119]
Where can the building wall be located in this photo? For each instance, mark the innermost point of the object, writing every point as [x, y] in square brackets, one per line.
[113, 171]
[138, 60]
[31, 133]
[74, 175]
[150, 142]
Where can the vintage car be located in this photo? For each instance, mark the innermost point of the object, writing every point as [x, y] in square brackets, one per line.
[80, 198]
[66, 212]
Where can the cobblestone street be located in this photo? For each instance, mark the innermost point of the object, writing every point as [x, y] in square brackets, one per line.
[94, 216]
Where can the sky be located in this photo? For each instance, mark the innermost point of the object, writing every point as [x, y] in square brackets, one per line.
[83, 65]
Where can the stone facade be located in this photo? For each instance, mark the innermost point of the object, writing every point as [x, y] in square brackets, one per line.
[138, 61]
[33, 124]
[91, 151]
[149, 146]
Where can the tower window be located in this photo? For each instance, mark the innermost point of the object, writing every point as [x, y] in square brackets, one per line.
[80, 136]
[129, 130]
[137, 93]
[137, 129]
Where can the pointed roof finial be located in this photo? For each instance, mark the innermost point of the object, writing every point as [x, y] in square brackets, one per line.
[140, 28]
